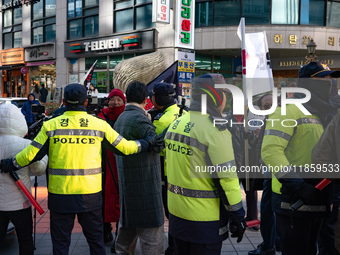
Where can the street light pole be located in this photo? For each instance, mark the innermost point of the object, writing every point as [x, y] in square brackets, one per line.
[311, 46]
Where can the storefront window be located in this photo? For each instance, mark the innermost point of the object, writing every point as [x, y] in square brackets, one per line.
[101, 64]
[223, 63]
[44, 74]
[285, 12]
[129, 16]
[43, 21]
[204, 14]
[115, 60]
[312, 12]
[203, 61]
[333, 14]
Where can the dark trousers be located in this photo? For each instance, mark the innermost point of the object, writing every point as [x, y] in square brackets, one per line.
[301, 239]
[22, 220]
[251, 200]
[169, 250]
[326, 239]
[91, 223]
[185, 248]
[268, 224]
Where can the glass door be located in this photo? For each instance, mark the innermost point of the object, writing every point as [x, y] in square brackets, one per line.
[16, 84]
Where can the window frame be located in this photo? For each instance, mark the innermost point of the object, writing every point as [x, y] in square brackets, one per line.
[44, 24]
[12, 27]
[270, 13]
[82, 18]
[134, 8]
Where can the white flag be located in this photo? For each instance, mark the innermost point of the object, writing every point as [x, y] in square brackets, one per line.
[259, 72]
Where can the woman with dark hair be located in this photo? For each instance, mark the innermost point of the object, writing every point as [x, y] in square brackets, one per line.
[36, 91]
[116, 102]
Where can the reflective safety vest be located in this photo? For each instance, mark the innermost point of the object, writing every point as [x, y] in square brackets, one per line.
[74, 142]
[196, 152]
[287, 145]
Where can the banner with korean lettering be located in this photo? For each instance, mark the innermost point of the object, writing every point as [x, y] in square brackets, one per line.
[161, 11]
[186, 71]
[258, 72]
[185, 24]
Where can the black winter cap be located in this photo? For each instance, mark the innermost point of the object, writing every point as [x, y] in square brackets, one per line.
[75, 94]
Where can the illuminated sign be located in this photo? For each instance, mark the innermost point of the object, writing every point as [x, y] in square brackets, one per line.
[161, 11]
[185, 21]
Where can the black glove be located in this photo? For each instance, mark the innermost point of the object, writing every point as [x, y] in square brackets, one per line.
[6, 166]
[237, 229]
[144, 145]
[248, 135]
[307, 192]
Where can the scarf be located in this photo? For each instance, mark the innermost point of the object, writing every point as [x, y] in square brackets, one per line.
[114, 112]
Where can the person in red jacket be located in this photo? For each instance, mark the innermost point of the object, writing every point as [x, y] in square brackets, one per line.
[116, 102]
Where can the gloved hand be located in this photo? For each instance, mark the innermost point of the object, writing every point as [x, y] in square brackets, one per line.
[6, 166]
[248, 135]
[237, 229]
[151, 138]
[307, 192]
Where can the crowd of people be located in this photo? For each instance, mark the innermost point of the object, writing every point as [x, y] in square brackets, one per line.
[134, 166]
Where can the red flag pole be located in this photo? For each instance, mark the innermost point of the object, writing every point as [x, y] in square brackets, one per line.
[28, 194]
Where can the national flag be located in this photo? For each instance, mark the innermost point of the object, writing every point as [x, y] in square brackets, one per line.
[86, 80]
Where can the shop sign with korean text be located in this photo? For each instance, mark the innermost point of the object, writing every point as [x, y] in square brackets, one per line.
[185, 24]
[41, 52]
[161, 11]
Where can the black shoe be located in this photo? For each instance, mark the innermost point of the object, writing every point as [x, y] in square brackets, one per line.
[108, 237]
[260, 251]
[113, 247]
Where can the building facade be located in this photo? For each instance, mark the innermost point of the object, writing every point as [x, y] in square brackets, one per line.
[55, 42]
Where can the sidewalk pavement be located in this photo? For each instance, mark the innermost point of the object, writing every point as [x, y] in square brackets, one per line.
[79, 245]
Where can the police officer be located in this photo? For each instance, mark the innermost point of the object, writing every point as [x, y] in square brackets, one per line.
[73, 142]
[286, 151]
[165, 112]
[203, 188]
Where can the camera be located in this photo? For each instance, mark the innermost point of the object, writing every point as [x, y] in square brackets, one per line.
[38, 109]
[96, 104]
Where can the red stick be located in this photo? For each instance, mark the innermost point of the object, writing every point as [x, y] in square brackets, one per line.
[322, 184]
[253, 223]
[28, 194]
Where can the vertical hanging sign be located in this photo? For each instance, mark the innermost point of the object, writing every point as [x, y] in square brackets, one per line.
[161, 11]
[185, 21]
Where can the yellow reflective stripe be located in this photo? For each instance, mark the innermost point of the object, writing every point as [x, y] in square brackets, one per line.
[308, 121]
[233, 208]
[79, 132]
[53, 171]
[139, 146]
[117, 141]
[36, 145]
[305, 208]
[15, 163]
[278, 133]
[192, 193]
[186, 140]
[285, 170]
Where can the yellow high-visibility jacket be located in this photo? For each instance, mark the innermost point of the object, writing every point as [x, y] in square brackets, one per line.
[74, 142]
